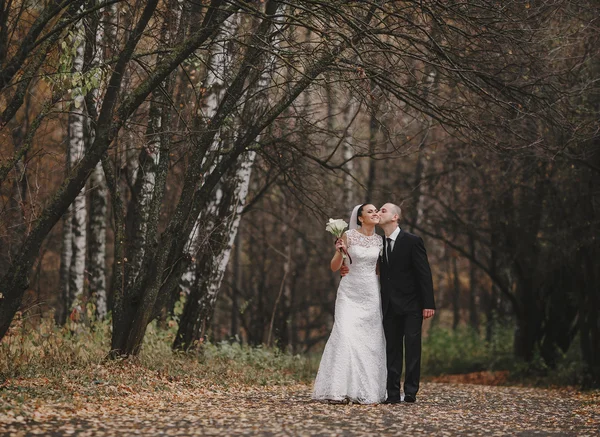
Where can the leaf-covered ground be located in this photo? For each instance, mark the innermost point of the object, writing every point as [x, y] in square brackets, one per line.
[162, 405]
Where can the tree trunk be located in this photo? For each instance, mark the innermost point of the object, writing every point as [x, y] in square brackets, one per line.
[431, 82]
[148, 186]
[66, 255]
[98, 188]
[217, 79]
[97, 243]
[291, 324]
[455, 292]
[348, 198]
[79, 210]
[473, 306]
[526, 333]
[373, 130]
[284, 287]
[524, 242]
[236, 285]
[455, 272]
[144, 208]
[228, 204]
[492, 294]
[219, 221]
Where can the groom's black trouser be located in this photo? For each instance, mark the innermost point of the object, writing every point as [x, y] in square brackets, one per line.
[403, 330]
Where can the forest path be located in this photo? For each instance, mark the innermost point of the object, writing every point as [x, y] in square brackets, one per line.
[441, 409]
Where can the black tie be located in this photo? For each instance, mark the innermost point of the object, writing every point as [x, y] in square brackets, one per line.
[389, 250]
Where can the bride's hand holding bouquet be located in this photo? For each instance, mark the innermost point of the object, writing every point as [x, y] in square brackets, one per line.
[336, 228]
[341, 246]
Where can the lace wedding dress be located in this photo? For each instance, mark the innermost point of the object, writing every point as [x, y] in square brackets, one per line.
[353, 365]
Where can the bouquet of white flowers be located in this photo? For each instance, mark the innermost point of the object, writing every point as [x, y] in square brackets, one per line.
[337, 227]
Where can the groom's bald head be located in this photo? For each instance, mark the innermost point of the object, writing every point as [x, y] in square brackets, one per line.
[393, 208]
[389, 213]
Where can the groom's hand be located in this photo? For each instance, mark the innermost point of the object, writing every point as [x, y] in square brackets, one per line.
[344, 270]
[428, 313]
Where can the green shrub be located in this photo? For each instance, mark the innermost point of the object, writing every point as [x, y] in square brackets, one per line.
[463, 351]
[570, 369]
[42, 349]
[258, 365]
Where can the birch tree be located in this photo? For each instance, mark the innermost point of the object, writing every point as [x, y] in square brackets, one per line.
[75, 228]
[227, 206]
[218, 75]
[102, 30]
[220, 221]
[149, 182]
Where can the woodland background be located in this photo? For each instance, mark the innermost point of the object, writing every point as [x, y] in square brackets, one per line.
[176, 161]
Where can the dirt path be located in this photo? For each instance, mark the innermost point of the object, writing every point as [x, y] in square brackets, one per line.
[441, 409]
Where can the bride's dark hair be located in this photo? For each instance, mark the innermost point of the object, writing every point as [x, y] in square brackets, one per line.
[359, 213]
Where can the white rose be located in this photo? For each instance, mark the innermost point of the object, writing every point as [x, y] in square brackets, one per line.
[336, 227]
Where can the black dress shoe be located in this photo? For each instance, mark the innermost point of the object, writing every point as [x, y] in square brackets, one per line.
[410, 398]
[389, 401]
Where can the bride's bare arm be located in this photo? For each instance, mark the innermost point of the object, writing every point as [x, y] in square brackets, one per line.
[336, 261]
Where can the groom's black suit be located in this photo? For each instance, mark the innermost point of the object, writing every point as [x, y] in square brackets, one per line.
[406, 289]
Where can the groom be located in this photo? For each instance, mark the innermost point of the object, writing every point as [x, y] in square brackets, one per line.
[406, 299]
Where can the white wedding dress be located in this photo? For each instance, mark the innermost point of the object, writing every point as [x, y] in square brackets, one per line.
[353, 365]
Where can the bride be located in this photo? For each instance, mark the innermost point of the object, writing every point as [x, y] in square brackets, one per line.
[353, 366]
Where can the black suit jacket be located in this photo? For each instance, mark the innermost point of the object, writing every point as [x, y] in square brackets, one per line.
[406, 284]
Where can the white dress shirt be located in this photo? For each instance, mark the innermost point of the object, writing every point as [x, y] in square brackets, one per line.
[393, 237]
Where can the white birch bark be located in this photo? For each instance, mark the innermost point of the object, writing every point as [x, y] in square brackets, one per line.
[97, 258]
[149, 157]
[65, 264]
[72, 265]
[98, 187]
[237, 284]
[76, 152]
[211, 284]
[145, 180]
[215, 84]
[238, 184]
[219, 222]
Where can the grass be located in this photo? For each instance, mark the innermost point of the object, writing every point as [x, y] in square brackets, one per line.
[57, 361]
[46, 370]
